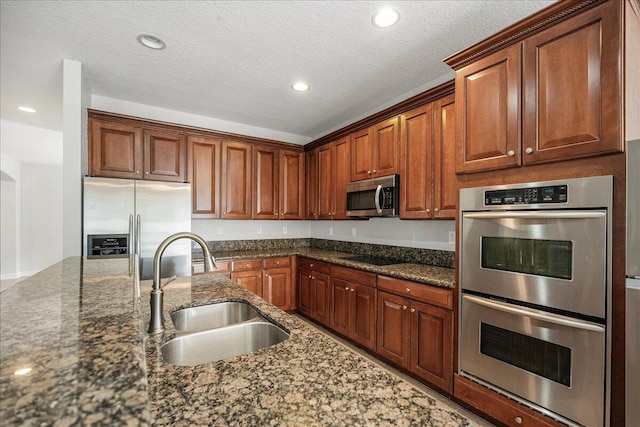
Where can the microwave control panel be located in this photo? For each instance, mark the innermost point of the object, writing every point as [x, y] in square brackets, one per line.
[526, 196]
[386, 196]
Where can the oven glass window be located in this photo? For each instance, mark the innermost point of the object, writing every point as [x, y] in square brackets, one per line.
[551, 258]
[540, 357]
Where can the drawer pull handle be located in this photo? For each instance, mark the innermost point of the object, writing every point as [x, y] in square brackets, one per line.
[518, 420]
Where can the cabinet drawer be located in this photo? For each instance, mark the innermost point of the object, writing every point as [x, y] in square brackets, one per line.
[352, 275]
[312, 264]
[430, 294]
[247, 264]
[198, 267]
[277, 262]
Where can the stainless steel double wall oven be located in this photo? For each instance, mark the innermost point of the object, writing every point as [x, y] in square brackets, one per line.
[535, 275]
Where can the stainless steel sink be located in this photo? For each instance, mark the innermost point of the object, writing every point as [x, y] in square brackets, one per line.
[213, 316]
[217, 344]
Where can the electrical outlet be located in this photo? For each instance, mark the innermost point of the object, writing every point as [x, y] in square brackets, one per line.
[259, 230]
[452, 237]
[284, 230]
[330, 231]
[353, 231]
[220, 230]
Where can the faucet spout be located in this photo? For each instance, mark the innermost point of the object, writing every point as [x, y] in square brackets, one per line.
[156, 324]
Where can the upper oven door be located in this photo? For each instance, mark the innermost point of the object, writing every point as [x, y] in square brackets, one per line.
[550, 258]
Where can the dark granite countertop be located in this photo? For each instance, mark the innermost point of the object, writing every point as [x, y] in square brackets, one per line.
[77, 327]
[421, 273]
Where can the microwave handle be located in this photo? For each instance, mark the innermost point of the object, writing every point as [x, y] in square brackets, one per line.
[551, 318]
[535, 215]
[377, 199]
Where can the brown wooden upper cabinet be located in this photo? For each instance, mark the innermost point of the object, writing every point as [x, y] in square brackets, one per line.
[333, 176]
[427, 165]
[204, 174]
[236, 181]
[122, 150]
[570, 104]
[312, 183]
[375, 151]
[278, 183]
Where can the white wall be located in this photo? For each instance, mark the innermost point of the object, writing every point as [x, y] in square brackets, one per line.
[438, 235]
[8, 238]
[75, 99]
[41, 217]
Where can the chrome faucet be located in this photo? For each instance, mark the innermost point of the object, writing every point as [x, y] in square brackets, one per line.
[156, 324]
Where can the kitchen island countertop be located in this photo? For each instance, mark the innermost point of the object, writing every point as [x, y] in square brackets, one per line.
[76, 326]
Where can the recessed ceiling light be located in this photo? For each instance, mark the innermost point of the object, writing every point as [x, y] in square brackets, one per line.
[300, 86]
[385, 17]
[152, 42]
[27, 109]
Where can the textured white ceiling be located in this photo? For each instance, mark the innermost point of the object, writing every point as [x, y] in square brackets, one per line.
[236, 60]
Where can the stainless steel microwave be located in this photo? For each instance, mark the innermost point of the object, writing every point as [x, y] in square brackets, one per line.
[374, 197]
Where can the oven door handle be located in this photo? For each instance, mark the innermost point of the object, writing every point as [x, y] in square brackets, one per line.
[546, 317]
[535, 215]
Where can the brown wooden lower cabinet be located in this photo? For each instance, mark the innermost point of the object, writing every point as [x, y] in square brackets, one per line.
[313, 289]
[502, 409]
[270, 279]
[353, 305]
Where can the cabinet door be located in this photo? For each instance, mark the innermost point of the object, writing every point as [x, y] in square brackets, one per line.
[204, 155]
[363, 315]
[416, 171]
[321, 297]
[306, 292]
[326, 178]
[251, 280]
[276, 287]
[445, 190]
[386, 147]
[340, 294]
[488, 113]
[342, 176]
[236, 180]
[115, 150]
[571, 80]
[361, 155]
[291, 195]
[265, 182]
[393, 328]
[432, 344]
[165, 155]
[312, 184]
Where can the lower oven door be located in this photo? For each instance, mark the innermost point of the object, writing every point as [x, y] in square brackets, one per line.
[551, 362]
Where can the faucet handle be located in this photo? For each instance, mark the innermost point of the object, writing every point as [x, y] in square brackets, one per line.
[169, 280]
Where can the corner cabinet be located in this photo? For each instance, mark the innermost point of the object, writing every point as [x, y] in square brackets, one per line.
[124, 150]
[570, 104]
[333, 176]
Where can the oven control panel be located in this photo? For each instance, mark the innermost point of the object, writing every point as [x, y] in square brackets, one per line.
[526, 196]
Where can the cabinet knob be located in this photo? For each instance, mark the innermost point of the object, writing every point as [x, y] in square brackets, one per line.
[413, 310]
[374, 171]
[511, 153]
[528, 150]
[428, 210]
[352, 290]
[277, 262]
[146, 172]
[404, 307]
[518, 420]
[368, 172]
[408, 290]
[309, 277]
[346, 288]
[310, 265]
[137, 171]
[436, 210]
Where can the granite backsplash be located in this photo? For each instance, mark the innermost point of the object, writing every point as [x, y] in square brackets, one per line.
[412, 255]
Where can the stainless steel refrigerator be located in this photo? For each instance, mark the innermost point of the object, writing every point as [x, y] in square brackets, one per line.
[632, 344]
[130, 218]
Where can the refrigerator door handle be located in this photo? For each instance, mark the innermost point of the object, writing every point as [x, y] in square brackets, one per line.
[130, 248]
[136, 261]
[138, 247]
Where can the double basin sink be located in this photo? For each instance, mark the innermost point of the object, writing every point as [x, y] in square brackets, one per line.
[218, 331]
